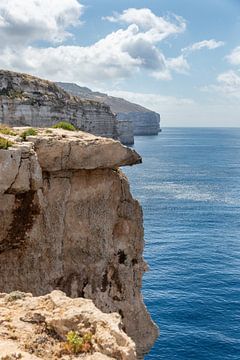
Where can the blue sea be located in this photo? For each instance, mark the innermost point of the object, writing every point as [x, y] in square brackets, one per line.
[189, 188]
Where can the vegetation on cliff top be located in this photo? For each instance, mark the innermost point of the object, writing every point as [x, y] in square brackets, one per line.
[5, 144]
[64, 125]
[77, 344]
[28, 132]
[6, 130]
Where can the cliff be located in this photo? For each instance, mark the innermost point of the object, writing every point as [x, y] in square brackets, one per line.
[145, 121]
[56, 327]
[29, 101]
[125, 132]
[68, 222]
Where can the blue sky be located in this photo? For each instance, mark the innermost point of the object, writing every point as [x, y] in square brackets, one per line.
[180, 58]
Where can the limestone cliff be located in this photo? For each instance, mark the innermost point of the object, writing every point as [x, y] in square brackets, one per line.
[56, 327]
[29, 101]
[125, 132]
[68, 221]
[145, 121]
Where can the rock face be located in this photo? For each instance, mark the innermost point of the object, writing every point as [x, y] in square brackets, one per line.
[38, 328]
[145, 121]
[125, 132]
[68, 221]
[29, 101]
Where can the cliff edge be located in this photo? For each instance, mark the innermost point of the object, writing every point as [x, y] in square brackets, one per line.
[68, 222]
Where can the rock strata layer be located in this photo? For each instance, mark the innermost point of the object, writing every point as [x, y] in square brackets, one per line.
[68, 222]
[38, 328]
[29, 101]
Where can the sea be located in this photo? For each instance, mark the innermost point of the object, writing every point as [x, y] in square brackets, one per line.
[189, 188]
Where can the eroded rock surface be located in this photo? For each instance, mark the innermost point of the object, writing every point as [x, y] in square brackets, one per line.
[68, 221]
[38, 327]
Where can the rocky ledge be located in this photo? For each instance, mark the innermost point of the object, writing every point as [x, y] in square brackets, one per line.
[68, 222]
[56, 327]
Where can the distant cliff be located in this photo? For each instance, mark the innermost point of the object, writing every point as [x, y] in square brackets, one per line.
[27, 100]
[145, 121]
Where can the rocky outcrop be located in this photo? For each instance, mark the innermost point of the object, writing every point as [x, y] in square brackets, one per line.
[68, 221]
[42, 328]
[145, 121]
[29, 101]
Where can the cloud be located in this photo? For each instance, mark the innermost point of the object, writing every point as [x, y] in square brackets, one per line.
[178, 64]
[228, 85]
[24, 21]
[156, 28]
[152, 101]
[117, 56]
[208, 44]
[234, 57]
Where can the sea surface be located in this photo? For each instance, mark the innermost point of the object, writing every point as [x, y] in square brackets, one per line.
[189, 188]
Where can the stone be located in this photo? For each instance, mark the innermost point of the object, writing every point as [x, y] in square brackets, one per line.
[68, 221]
[37, 328]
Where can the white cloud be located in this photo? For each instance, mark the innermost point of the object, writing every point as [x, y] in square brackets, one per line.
[152, 101]
[234, 57]
[156, 28]
[23, 21]
[228, 85]
[119, 55]
[178, 64]
[208, 44]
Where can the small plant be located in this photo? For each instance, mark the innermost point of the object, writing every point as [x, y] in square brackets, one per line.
[48, 131]
[15, 295]
[77, 344]
[6, 130]
[28, 132]
[64, 125]
[5, 144]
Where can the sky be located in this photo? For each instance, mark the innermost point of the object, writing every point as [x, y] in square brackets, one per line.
[178, 58]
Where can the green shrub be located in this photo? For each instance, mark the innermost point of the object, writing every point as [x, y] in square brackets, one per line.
[28, 132]
[15, 295]
[76, 344]
[5, 144]
[48, 131]
[6, 130]
[64, 125]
